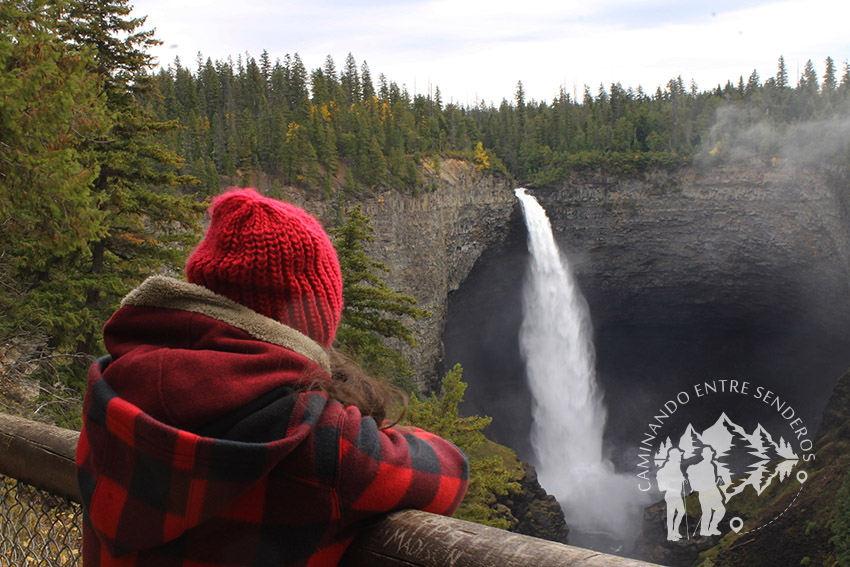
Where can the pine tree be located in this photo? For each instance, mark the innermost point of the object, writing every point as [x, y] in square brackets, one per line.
[350, 80]
[324, 135]
[809, 79]
[372, 310]
[781, 74]
[366, 83]
[371, 165]
[266, 65]
[332, 83]
[807, 91]
[48, 212]
[145, 221]
[829, 81]
[488, 475]
[298, 156]
[753, 85]
[297, 94]
[844, 86]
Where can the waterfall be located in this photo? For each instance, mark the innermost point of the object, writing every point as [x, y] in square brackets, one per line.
[568, 410]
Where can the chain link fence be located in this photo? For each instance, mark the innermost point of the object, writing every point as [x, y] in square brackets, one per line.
[37, 528]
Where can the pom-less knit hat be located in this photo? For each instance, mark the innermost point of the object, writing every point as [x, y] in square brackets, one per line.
[274, 258]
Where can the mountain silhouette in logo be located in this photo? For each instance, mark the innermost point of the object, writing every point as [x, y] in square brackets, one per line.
[742, 459]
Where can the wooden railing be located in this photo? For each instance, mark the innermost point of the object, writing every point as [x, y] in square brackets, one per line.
[43, 456]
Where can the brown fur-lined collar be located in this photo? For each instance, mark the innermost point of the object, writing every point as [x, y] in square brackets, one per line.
[169, 293]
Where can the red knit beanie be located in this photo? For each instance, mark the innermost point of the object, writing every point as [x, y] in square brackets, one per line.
[274, 258]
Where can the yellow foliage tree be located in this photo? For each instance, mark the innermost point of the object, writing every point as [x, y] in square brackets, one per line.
[482, 161]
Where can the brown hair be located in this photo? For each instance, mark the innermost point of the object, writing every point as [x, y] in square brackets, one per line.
[351, 386]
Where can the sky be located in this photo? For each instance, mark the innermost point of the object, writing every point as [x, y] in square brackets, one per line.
[477, 50]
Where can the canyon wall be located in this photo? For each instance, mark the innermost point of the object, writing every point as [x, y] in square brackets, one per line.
[430, 242]
[740, 270]
[725, 271]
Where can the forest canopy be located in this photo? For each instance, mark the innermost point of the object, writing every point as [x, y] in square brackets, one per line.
[330, 128]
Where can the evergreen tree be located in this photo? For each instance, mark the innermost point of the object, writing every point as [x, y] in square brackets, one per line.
[809, 78]
[296, 93]
[350, 80]
[299, 158]
[844, 86]
[49, 105]
[366, 83]
[488, 475]
[372, 310]
[807, 91]
[320, 90]
[324, 135]
[144, 221]
[781, 74]
[829, 81]
[332, 83]
[372, 166]
[753, 85]
[266, 66]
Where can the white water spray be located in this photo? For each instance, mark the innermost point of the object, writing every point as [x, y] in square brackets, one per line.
[568, 410]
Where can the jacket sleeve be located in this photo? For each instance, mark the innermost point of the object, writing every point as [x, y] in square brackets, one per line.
[396, 468]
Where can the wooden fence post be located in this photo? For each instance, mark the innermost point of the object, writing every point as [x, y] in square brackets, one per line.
[39, 454]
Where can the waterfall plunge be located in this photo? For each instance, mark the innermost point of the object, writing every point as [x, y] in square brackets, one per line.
[568, 410]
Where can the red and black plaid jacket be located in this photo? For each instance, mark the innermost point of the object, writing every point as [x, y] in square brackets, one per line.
[198, 449]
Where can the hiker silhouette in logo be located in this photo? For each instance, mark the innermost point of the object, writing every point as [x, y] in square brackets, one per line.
[704, 479]
[671, 481]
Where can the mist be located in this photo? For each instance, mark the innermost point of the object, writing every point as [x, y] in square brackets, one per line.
[740, 134]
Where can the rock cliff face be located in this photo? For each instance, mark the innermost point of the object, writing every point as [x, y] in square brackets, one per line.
[538, 514]
[723, 233]
[429, 242]
[739, 271]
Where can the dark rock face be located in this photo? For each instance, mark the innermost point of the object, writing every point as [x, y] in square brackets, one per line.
[836, 415]
[482, 333]
[431, 241]
[736, 272]
[538, 514]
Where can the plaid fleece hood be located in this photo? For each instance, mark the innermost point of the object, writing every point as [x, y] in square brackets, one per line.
[198, 448]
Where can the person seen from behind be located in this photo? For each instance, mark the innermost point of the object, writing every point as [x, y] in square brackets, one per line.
[223, 430]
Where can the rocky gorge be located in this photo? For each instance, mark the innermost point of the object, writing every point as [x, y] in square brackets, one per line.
[730, 271]
[737, 270]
